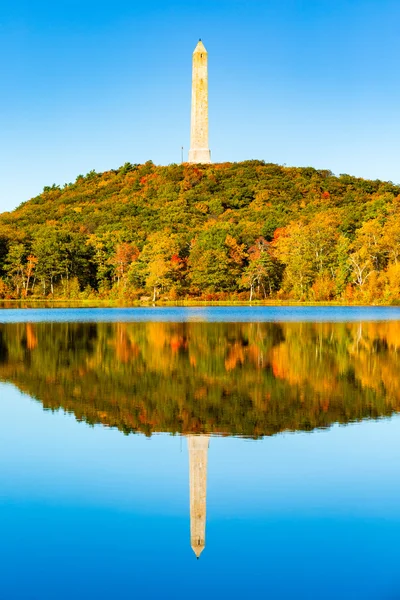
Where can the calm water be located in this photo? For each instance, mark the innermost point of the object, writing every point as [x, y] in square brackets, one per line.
[220, 314]
[265, 440]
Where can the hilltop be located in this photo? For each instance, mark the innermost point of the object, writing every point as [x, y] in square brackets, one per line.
[219, 231]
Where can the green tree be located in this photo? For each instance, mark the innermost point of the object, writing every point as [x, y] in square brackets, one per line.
[51, 261]
[215, 260]
[15, 267]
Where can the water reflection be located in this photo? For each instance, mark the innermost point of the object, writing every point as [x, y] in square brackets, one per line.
[207, 378]
[198, 455]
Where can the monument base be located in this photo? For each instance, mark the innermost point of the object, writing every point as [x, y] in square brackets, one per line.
[200, 156]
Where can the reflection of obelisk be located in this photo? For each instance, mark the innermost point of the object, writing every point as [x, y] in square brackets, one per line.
[198, 451]
[199, 151]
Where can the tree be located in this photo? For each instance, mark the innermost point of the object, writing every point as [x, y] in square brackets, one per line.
[50, 259]
[367, 252]
[125, 254]
[293, 249]
[154, 267]
[158, 275]
[263, 271]
[31, 263]
[390, 239]
[308, 251]
[102, 248]
[215, 260]
[15, 266]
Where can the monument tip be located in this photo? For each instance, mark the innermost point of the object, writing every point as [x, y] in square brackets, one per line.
[200, 46]
[198, 550]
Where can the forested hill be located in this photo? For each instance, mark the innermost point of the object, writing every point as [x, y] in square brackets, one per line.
[211, 231]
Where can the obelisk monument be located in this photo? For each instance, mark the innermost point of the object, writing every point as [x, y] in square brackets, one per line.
[198, 453]
[199, 151]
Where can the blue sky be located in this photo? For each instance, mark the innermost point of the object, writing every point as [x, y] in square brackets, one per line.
[93, 84]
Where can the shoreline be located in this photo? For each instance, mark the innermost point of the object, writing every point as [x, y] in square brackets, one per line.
[45, 303]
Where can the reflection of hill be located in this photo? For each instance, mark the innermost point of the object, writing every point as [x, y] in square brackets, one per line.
[240, 379]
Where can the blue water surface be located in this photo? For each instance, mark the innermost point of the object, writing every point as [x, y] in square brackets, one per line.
[227, 314]
[87, 512]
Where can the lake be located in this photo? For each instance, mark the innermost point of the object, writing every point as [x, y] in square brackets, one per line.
[222, 452]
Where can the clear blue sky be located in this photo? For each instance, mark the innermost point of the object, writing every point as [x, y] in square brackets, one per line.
[92, 84]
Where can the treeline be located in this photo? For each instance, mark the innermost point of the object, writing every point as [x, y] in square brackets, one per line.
[226, 231]
[251, 379]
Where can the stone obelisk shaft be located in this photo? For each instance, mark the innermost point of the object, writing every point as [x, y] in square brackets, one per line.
[198, 452]
[199, 151]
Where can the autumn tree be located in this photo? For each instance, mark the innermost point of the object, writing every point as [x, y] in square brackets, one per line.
[31, 263]
[262, 271]
[308, 251]
[125, 254]
[389, 242]
[215, 260]
[154, 268]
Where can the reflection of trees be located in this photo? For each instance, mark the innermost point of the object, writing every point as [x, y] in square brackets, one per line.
[246, 379]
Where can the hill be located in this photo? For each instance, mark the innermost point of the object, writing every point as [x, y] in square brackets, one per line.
[218, 231]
